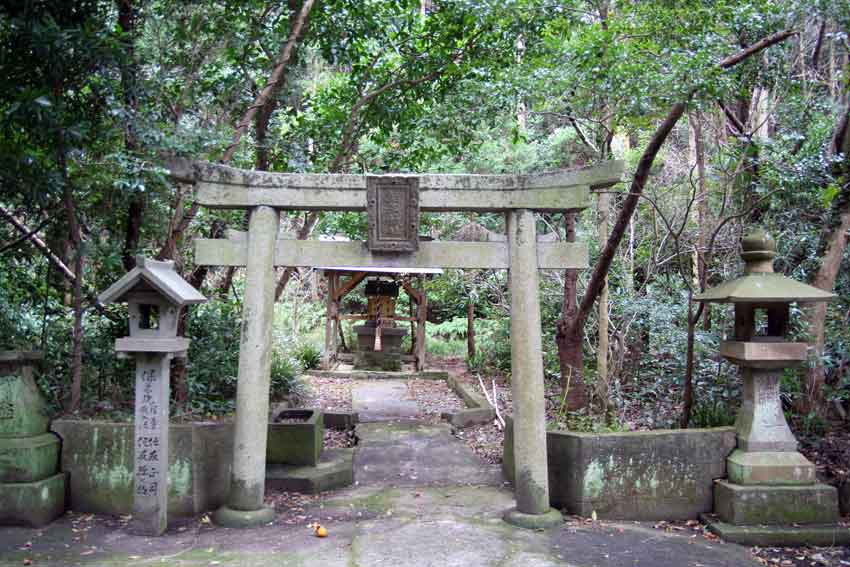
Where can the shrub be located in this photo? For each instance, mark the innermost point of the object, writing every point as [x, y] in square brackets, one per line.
[308, 355]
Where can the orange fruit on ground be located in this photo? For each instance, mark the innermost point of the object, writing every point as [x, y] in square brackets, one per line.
[321, 532]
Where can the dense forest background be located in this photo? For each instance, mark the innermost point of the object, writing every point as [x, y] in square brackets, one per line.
[728, 114]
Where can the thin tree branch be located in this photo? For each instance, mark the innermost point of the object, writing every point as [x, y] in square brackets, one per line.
[274, 80]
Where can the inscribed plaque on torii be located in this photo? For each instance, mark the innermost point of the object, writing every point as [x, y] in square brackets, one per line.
[393, 211]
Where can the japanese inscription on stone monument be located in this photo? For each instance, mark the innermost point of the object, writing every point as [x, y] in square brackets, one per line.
[7, 408]
[148, 441]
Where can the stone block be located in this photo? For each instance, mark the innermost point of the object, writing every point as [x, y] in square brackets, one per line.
[32, 504]
[770, 468]
[470, 417]
[775, 505]
[334, 470]
[28, 459]
[377, 361]
[479, 410]
[779, 536]
[340, 419]
[653, 475]
[296, 442]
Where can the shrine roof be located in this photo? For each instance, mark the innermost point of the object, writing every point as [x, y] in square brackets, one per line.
[153, 275]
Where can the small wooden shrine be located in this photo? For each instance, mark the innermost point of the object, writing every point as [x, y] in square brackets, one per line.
[380, 336]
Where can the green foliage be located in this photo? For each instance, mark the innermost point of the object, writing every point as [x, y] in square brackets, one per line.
[308, 355]
[284, 374]
[713, 412]
[213, 357]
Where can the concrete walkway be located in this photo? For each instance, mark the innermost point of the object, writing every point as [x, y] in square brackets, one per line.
[422, 499]
[382, 400]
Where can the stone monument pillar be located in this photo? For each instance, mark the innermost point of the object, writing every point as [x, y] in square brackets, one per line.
[155, 294]
[32, 490]
[769, 483]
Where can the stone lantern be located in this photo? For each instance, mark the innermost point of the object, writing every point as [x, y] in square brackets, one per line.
[32, 490]
[768, 481]
[155, 294]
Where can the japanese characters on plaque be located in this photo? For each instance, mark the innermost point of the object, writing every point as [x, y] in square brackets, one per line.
[392, 205]
[148, 436]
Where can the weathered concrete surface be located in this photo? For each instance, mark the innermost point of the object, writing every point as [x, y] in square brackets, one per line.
[150, 455]
[478, 411]
[383, 400]
[780, 536]
[340, 419]
[456, 526]
[769, 467]
[531, 481]
[775, 505]
[99, 459]
[22, 409]
[27, 459]
[32, 503]
[32, 491]
[459, 255]
[247, 486]
[296, 443]
[334, 470]
[653, 475]
[415, 454]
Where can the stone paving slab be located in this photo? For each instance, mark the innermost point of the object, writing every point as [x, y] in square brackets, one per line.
[383, 400]
[416, 454]
[373, 527]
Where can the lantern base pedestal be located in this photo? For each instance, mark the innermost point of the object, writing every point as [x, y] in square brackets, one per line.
[829, 535]
[770, 468]
[33, 504]
[775, 505]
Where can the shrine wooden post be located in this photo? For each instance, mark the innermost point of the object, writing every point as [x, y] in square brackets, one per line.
[517, 196]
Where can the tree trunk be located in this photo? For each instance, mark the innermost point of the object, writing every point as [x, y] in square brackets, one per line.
[297, 30]
[688, 394]
[695, 120]
[76, 241]
[470, 329]
[602, 378]
[833, 243]
[127, 22]
[568, 334]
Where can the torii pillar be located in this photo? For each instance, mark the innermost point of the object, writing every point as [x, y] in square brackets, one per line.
[531, 473]
[245, 506]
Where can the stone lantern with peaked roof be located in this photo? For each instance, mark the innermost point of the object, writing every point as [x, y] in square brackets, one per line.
[155, 294]
[769, 481]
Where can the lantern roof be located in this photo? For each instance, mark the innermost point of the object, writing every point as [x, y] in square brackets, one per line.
[760, 284]
[153, 275]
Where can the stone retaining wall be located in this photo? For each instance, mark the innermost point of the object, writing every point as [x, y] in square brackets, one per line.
[98, 456]
[643, 475]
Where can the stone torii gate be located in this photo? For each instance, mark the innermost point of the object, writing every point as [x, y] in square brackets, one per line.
[394, 202]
